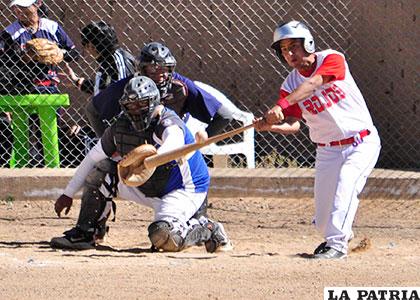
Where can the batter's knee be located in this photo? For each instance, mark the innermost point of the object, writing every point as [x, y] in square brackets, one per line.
[162, 236]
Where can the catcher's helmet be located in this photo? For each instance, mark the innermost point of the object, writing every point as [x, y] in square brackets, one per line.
[140, 99]
[293, 30]
[155, 53]
[101, 35]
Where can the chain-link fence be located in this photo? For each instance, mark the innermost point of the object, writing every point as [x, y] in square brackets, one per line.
[224, 44]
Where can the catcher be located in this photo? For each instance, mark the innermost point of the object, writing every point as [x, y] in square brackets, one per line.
[176, 191]
[31, 48]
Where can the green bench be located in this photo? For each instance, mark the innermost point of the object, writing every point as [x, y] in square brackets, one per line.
[22, 107]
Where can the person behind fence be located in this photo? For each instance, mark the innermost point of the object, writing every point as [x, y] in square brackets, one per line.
[99, 39]
[6, 137]
[177, 92]
[321, 90]
[37, 77]
[177, 191]
[21, 75]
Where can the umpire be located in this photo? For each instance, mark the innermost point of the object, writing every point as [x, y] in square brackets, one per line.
[100, 40]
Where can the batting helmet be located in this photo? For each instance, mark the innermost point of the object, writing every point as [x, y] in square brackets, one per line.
[101, 35]
[141, 97]
[156, 53]
[293, 30]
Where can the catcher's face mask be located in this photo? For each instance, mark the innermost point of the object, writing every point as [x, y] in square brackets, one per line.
[141, 97]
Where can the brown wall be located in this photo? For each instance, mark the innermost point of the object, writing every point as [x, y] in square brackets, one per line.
[226, 43]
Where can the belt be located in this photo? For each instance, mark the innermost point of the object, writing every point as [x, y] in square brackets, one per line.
[355, 140]
[45, 82]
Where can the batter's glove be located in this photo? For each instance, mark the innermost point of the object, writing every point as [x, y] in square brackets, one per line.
[44, 51]
[63, 202]
[131, 170]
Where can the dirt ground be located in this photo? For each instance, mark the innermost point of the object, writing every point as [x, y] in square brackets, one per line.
[270, 236]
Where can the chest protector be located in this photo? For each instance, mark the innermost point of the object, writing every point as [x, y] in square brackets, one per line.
[176, 98]
[126, 139]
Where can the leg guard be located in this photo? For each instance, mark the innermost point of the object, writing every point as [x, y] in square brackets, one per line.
[163, 236]
[197, 235]
[95, 207]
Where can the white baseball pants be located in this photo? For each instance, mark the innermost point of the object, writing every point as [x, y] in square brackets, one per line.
[341, 173]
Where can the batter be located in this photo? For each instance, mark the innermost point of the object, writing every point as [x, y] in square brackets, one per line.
[321, 90]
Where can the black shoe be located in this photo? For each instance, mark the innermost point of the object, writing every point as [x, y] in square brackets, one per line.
[219, 241]
[74, 239]
[320, 248]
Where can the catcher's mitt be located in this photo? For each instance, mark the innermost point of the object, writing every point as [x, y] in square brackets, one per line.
[44, 51]
[131, 170]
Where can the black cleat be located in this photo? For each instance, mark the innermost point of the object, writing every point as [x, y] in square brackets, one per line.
[74, 239]
[320, 248]
[328, 253]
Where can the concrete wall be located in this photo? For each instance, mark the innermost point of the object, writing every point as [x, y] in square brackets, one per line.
[48, 184]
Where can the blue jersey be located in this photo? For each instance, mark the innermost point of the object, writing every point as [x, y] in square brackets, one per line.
[199, 103]
[191, 175]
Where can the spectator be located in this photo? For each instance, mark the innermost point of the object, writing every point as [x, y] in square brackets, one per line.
[5, 139]
[38, 78]
[19, 76]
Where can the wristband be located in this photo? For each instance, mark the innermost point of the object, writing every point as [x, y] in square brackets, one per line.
[283, 103]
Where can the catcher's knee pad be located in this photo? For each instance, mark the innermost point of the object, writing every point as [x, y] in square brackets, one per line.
[162, 236]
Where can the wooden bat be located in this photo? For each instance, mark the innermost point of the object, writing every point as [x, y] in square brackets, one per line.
[160, 159]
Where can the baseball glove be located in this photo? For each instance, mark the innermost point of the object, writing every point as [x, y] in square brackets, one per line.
[131, 170]
[44, 51]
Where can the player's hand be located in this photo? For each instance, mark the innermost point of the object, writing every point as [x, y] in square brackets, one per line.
[74, 130]
[63, 202]
[201, 136]
[261, 125]
[70, 73]
[274, 115]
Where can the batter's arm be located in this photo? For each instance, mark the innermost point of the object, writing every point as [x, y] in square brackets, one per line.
[290, 125]
[306, 89]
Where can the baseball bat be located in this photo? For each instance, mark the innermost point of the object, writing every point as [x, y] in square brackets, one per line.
[160, 159]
